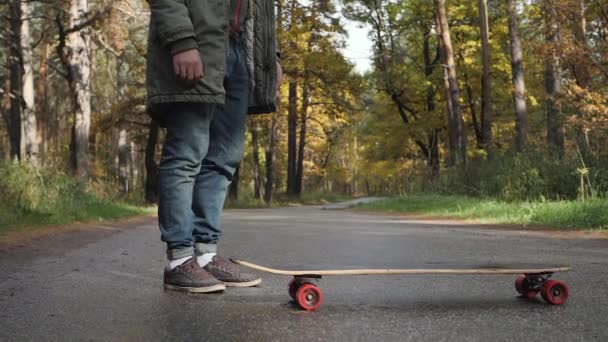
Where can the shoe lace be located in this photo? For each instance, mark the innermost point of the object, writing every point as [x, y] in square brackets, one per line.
[225, 265]
[191, 268]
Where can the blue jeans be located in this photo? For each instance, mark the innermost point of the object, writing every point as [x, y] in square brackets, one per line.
[203, 147]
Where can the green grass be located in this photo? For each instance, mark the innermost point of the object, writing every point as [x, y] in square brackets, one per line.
[589, 215]
[32, 198]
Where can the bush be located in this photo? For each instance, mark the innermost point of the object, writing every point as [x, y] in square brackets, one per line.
[530, 176]
[33, 196]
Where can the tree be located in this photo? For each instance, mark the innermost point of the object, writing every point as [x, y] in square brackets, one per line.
[455, 122]
[14, 124]
[257, 175]
[553, 79]
[30, 131]
[486, 98]
[517, 70]
[291, 136]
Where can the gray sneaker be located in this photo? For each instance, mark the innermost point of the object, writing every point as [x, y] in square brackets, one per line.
[191, 277]
[229, 273]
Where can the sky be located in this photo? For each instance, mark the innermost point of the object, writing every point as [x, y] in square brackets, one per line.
[359, 46]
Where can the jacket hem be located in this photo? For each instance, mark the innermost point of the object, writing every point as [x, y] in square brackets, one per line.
[158, 99]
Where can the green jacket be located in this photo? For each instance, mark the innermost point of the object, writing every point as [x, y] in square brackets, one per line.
[178, 25]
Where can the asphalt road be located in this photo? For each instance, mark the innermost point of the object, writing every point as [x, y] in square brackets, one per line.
[105, 284]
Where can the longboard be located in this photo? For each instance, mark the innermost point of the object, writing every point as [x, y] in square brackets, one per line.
[532, 279]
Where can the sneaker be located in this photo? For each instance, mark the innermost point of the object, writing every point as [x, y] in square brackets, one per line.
[191, 277]
[227, 272]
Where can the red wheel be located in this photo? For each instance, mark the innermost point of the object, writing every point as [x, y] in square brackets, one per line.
[555, 292]
[293, 288]
[519, 282]
[309, 297]
[523, 287]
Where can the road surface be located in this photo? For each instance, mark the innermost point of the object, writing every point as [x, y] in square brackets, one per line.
[105, 284]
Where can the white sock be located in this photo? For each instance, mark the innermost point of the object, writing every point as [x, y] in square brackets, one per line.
[204, 259]
[174, 263]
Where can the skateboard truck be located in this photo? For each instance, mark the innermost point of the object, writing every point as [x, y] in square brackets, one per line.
[552, 291]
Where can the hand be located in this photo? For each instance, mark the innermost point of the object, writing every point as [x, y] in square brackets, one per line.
[188, 66]
[279, 76]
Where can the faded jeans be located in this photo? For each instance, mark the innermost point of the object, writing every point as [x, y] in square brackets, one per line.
[203, 147]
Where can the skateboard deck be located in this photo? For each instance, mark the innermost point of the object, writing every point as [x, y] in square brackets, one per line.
[532, 278]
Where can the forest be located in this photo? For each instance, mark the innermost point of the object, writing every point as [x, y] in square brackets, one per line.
[503, 99]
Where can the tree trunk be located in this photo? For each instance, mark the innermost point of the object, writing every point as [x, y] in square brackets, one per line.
[459, 135]
[580, 68]
[475, 122]
[5, 108]
[28, 114]
[233, 190]
[517, 71]
[257, 176]
[41, 97]
[553, 82]
[151, 166]
[123, 160]
[16, 80]
[433, 158]
[292, 123]
[486, 98]
[270, 158]
[302, 141]
[133, 165]
[80, 63]
[123, 148]
[449, 109]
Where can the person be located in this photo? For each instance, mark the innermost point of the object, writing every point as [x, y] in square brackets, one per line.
[209, 63]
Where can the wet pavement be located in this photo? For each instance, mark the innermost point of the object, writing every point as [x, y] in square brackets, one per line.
[106, 284]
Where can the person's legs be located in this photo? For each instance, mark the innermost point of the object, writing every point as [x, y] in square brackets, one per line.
[185, 147]
[227, 139]
[226, 144]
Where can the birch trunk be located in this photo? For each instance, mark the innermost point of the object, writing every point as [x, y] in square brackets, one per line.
[42, 120]
[519, 85]
[257, 176]
[80, 65]
[28, 113]
[553, 81]
[123, 163]
[123, 148]
[580, 68]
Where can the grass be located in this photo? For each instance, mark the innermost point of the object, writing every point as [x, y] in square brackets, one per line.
[589, 215]
[32, 198]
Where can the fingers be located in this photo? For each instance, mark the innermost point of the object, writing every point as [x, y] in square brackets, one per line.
[188, 66]
[198, 71]
[183, 71]
[190, 72]
[175, 67]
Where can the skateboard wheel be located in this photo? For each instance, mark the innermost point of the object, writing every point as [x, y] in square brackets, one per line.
[555, 292]
[519, 284]
[293, 288]
[309, 297]
[523, 287]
